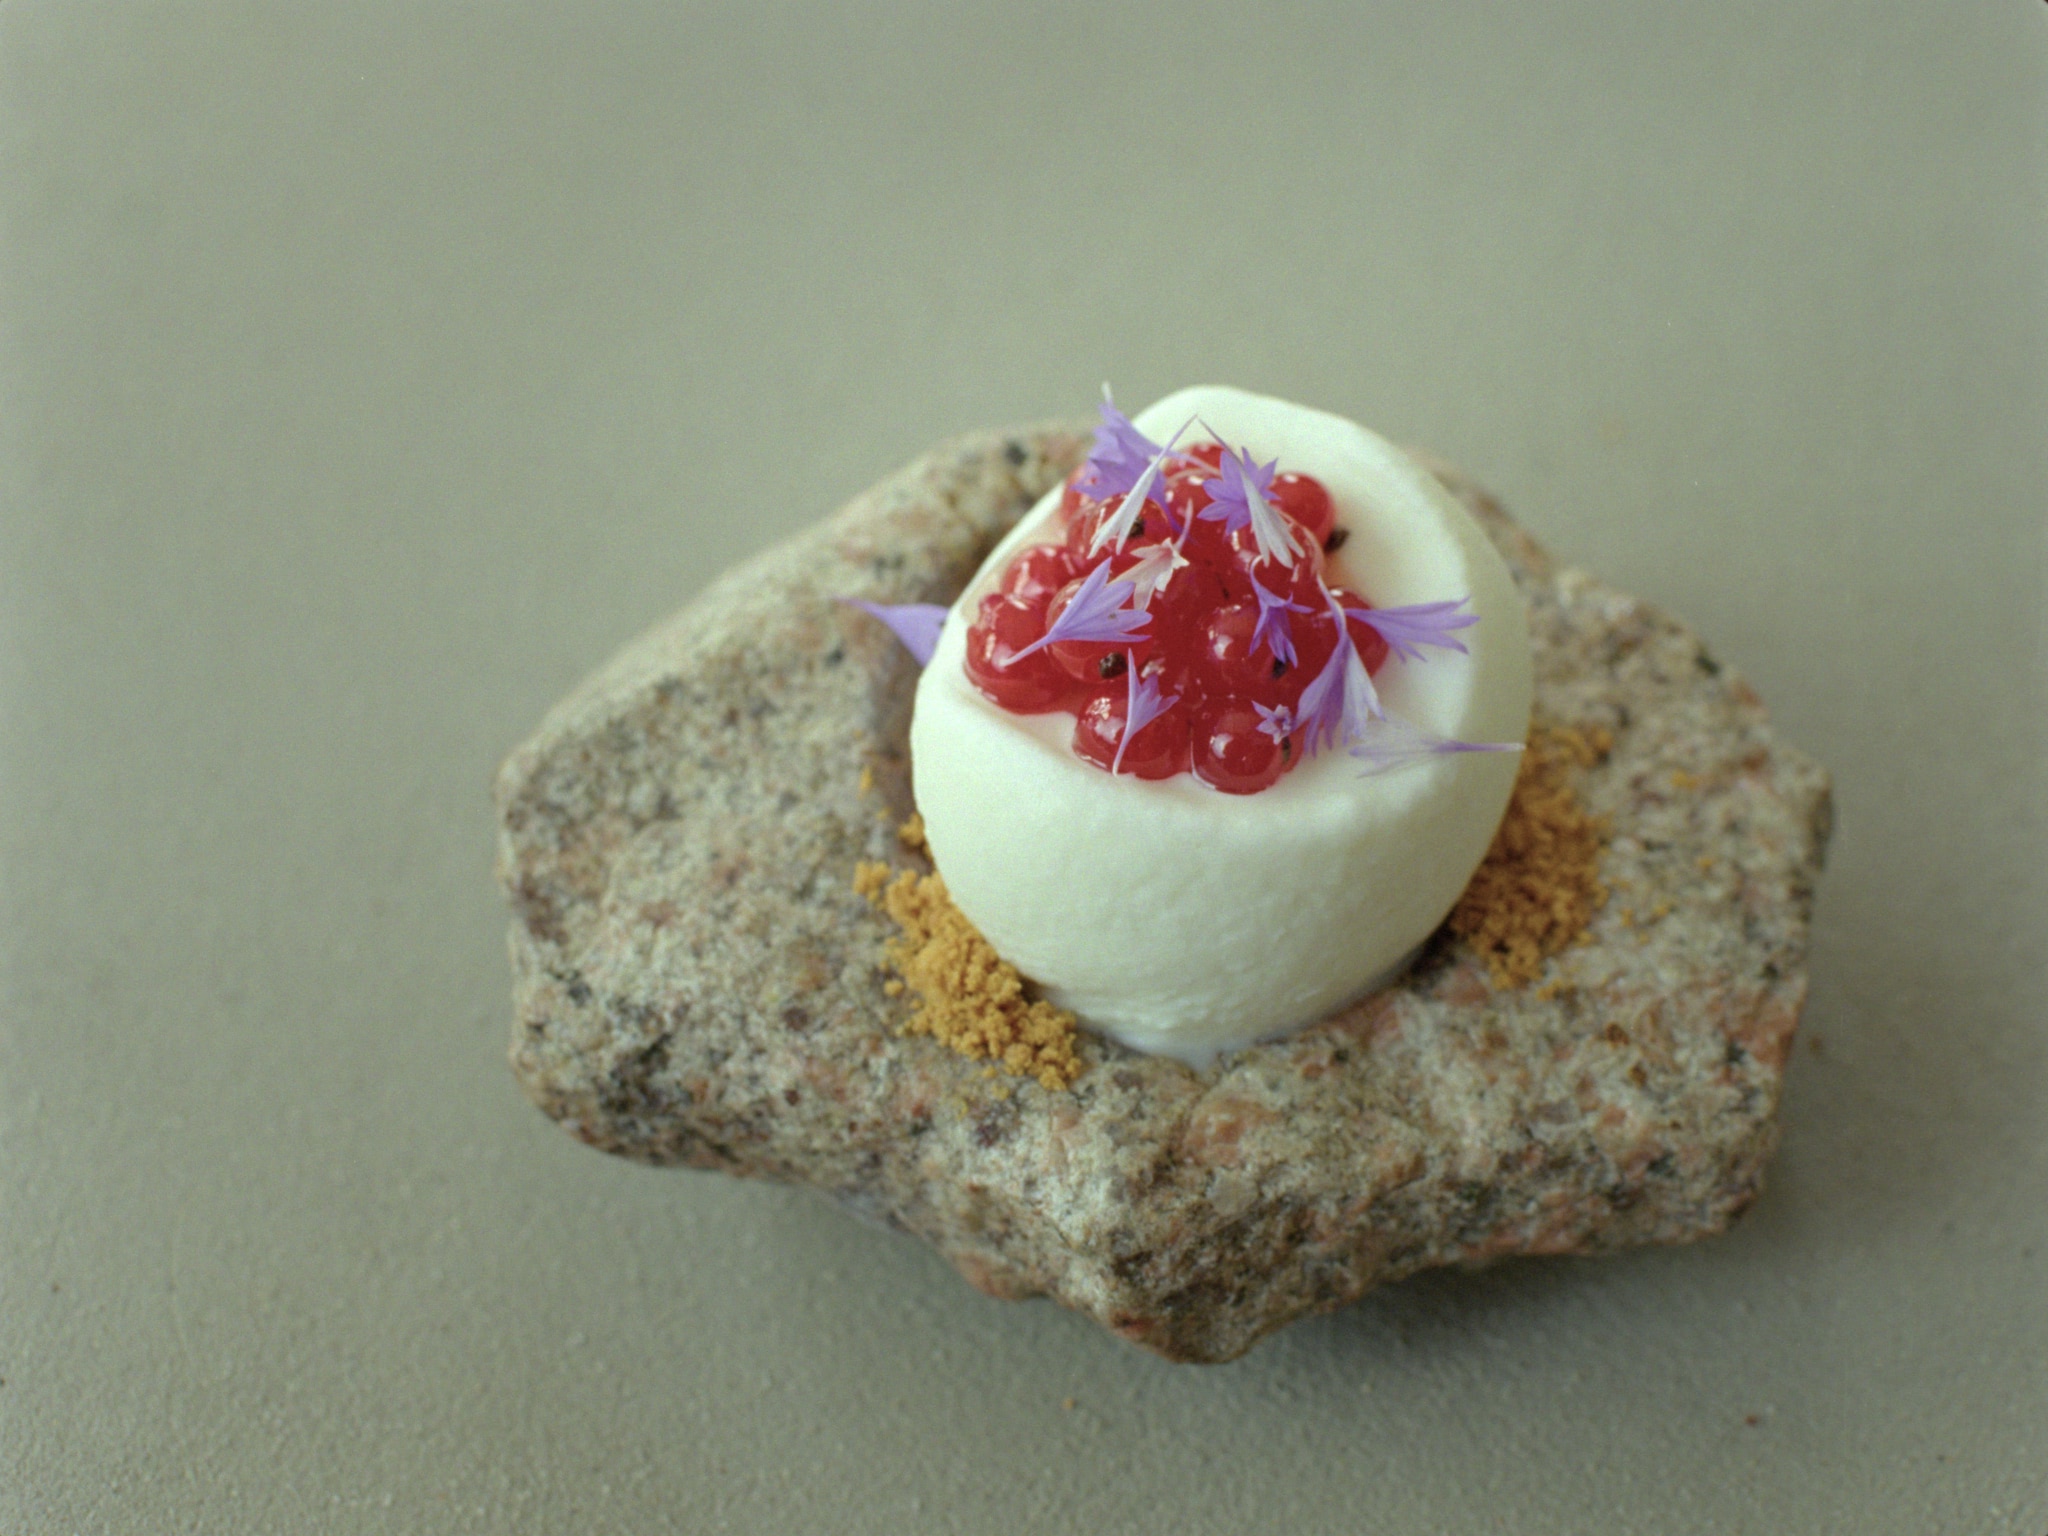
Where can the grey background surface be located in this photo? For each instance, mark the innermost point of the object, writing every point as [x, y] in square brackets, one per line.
[371, 372]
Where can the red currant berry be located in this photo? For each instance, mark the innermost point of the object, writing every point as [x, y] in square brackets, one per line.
[1004, 626]
[1159, 751]
[1303, 498]
[1229, 664]
[1297, 582]
[1037, 573]
[1230, 752]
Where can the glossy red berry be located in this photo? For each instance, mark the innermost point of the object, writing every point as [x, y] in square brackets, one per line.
[1304, 499]
[1196, 646]
[1230, 752]
[1230, 663]
[1158, 751]
[1004, 626]
[1038, 572]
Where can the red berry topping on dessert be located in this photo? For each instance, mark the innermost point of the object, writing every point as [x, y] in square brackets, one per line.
[1200, 594]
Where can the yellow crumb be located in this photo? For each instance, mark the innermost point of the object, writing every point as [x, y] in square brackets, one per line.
[1682, 780]
[1539, 885]
[968, 996]
[1707, 862]
[867, 779]
[911, 834]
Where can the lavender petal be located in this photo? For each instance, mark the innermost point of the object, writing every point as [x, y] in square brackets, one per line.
[1142, 705]
[1340, 702]
[917, 625]
[1120, 454]
[1391, 743]
[1407, 630]
[1150, 485]
[1238, 496]
[1273, 626]
[1099, 614]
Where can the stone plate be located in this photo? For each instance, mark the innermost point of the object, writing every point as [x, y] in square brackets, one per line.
[697, 984]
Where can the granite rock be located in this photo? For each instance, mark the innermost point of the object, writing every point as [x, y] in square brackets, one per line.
[697, 984]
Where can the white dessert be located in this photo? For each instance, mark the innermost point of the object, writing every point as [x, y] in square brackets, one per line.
[1181, 920]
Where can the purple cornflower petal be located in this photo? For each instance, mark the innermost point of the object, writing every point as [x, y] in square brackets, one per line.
[1100, 613]
[1407, 630]
[1391, 743]
[1273, 627]
[917, 625]
[1150, 485]
[1340, 702]
[1238, 496]
[1120, 455]
[1276, 721]
[1142, 705]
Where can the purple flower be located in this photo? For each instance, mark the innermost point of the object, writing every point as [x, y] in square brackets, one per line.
[1142, 705]
[1340, 702]
[917, 625]
[1238, 496]
[1276, 721]
[1407, 630]
[1273, 627]
[1120, 455]
[1100, 613]
[1151, 483]
[1390, 743]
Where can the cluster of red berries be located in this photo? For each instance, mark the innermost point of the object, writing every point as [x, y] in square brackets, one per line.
[1197, 646]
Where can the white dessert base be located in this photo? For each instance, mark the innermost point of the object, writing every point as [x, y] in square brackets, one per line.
[1183, 921]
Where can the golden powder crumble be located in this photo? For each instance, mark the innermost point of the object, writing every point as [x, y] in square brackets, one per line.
[968, 996]
[1539, 885]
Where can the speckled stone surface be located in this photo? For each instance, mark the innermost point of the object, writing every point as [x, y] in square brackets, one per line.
[696, 983]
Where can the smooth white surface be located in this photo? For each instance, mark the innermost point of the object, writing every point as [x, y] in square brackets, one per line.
[368, 373]
[1181, 920]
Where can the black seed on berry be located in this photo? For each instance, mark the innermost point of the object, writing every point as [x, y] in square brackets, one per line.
[1279, 667]
[1336, 540]
[1111, 665]
[1138, 528]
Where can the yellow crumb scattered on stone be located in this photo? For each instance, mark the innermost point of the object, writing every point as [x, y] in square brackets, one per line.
[1681, 780]
[911, 834]
[867, 779]
[968, 996]
[1539, 885]
[1706, 862]
[1067, 1404]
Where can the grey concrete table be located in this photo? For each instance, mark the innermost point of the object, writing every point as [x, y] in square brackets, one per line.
[369, 373]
